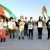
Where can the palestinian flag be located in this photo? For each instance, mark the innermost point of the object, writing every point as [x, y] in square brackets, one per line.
[44, 11]
[7, 12]
[1, 11]
[44, 14]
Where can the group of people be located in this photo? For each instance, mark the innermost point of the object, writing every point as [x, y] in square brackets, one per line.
[24, 27]
[10, 25]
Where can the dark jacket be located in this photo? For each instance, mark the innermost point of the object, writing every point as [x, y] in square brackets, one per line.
[40, 21]
[26, 26]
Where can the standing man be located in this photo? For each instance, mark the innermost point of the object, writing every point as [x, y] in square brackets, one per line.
[2, 30]
[30, 28]
[11, 26]
[48, 28]
[21, 27]
[40, 27]
[26, 27]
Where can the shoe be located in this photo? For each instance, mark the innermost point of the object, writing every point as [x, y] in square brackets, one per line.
[39, 38]
[31, 38]
[10, 39]
[28, 38]
[47, 38]
[4, 40]
[19, 38]
[1, 40]
[23, 38]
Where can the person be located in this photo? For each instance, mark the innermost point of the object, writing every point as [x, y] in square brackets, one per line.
[21, 27]
[2, 31]
[5, 25]
[11, 27]
[17, 28]
[48, 28]
[30, 28]
[40, 27]
[26, 27]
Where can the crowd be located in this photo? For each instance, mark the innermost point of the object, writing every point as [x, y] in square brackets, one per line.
[24, 27]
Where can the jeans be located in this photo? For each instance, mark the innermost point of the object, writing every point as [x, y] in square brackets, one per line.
[31, 33]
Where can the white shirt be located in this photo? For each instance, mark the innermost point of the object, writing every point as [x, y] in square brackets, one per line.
[30, 26]
[10, 24]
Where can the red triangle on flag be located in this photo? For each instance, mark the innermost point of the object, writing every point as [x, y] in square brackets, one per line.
[1, 11]
[43, 11]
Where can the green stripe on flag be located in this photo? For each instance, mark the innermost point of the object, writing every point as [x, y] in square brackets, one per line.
[9, 11]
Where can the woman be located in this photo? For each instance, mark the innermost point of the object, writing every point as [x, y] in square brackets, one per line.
[11, 26]
[2, 30]
[21, 27]
[40, 27]
[30, 28]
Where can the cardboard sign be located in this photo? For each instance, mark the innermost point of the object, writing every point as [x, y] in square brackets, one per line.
[40, 24]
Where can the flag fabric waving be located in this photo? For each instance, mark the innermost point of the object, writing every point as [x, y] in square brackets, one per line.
[1, 11]
[9, 11]
[44, 11]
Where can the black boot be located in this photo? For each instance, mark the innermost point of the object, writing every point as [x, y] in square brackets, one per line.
[4, 39]
[19, 38]
[31, 38]
[39, 38]
[1, 40]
